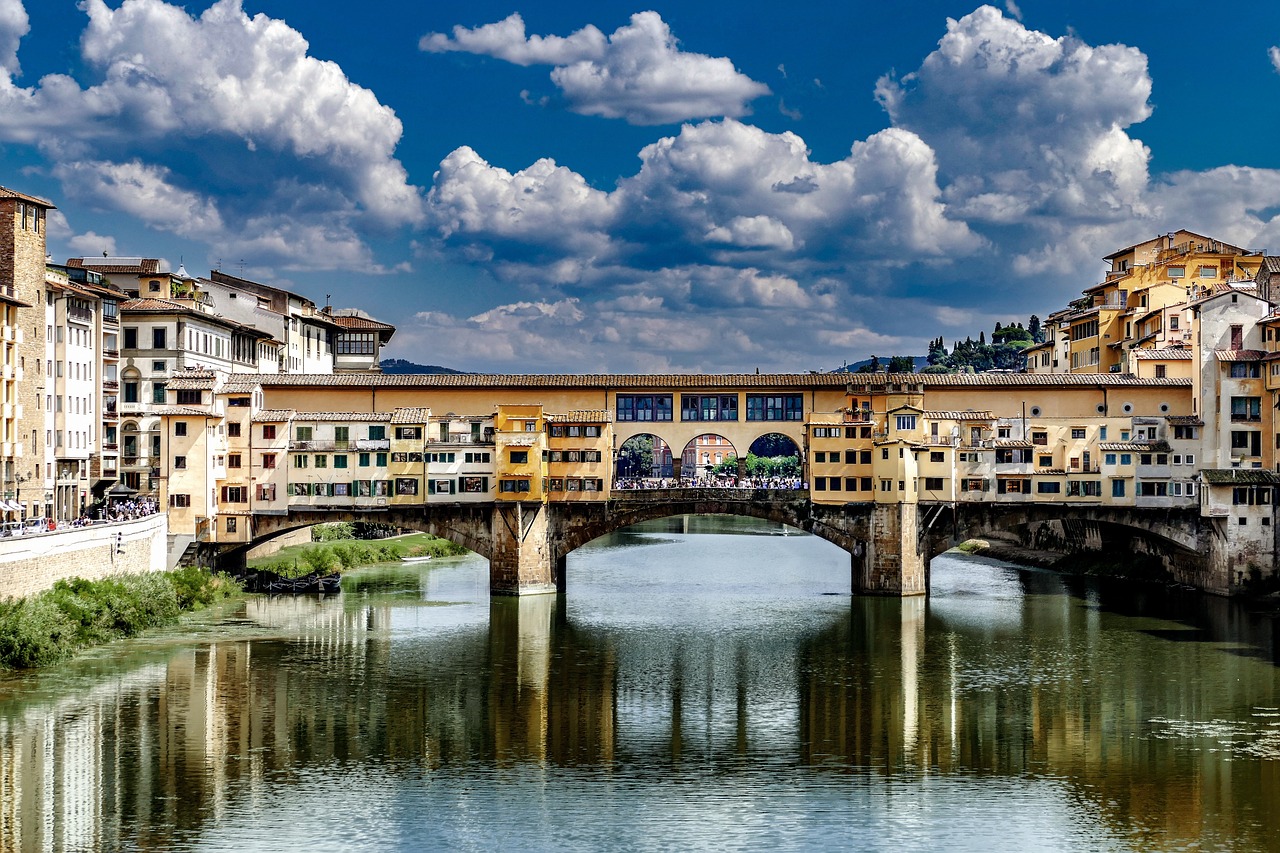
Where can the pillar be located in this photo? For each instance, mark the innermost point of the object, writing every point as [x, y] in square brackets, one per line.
[892, 562]
[520, 560]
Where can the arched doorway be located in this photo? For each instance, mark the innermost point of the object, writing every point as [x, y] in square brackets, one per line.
[643, 461]
[709, 459]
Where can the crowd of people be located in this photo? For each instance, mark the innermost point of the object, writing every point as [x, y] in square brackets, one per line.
[709, 482]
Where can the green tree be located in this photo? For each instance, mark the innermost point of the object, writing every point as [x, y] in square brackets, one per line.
[635, 458]
[902, 364]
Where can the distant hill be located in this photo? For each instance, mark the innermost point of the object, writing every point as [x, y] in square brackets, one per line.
[399, 365]
[920, 361]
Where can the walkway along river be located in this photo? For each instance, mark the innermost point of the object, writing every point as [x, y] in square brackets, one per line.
[704, 683]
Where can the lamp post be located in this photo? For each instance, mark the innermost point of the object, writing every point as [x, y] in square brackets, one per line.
[20, 479]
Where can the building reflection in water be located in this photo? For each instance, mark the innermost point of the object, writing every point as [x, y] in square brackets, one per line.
[148, 752]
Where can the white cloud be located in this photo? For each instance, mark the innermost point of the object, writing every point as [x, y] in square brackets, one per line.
[1274, 54]
[14, 24]
[506, 40]
[638, 74]
[238, 126]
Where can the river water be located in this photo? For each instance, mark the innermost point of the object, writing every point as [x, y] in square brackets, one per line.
[705, 683]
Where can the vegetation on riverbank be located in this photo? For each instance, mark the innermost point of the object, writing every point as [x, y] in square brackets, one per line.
[342, 554]
[76, 614]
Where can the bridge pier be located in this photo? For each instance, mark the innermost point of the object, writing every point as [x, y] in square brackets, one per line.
[892, 562]
[521, 561]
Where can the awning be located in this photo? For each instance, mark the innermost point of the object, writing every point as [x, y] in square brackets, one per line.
[12, 505]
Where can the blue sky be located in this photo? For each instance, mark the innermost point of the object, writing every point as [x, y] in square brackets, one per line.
[596, 187]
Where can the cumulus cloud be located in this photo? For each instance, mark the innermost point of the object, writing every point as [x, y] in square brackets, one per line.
[238, 124]
[1274, 53]
[1024, 124]
[638, 73]
[14, 24]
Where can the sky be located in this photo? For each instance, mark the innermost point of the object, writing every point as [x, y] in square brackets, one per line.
[688, 187]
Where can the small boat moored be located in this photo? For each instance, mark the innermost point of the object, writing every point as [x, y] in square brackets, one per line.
[423, 559]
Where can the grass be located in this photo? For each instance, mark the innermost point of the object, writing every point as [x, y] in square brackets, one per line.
[53, 625]
[297, 561]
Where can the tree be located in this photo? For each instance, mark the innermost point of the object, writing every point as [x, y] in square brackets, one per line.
[937, 352]
[1033, 327]
[902, 364]
[635, 458]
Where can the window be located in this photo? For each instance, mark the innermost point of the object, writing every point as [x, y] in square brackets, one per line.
[1177, 272]
[1150, 489]
[519, 457]
[339, 460]
[1045, 461]
[179, 428]
[1077, 432]
[1039, 438]
[775, 407]
[1117, 488]
[131, 392]
[363, 461]
[1109, 458]
[157, 393]
[406, 486]
[159, 338]
[1245, 370]
[1048, 488]
[233, 429]
[268, 460]
[1246, 408]
[233, 460]
[235, 494]
[933, 484]
[302, 433]
[904, 422]
[1012, 487]
[130, 338]
[1237, 337]
[1187, 432]
[301, 460]
[644, 407]
[937, 456]
[519, 485]
[408, 433]
[973, 484]
[268, 431]
[179, 462]
[322, 461]
[267, 492]
[179, 500]
[709, 407]
[377, 433]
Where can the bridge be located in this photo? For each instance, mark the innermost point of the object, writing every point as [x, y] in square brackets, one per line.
[889, 544]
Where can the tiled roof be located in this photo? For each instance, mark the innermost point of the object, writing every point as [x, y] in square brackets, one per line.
[374, 417]
[151, 304]
[1126, 446]
[1185, 420]
[273, 416]
[1239, 354]
[702, 380]
[592, 416]
[1012, 442]
[1271, 263]
[1057, 471]
[362, 323]
[1239, 477]
[5, 192]
[184, 411]
[1167, 354]
[960, 416]
[182, 382]
[411, 415]
[240, 383]
[143, 266]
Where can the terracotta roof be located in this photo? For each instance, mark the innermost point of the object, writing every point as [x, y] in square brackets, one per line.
[1011, 442]
[1239, 354]
[240, 383]
[361, 323]
[1271, 263]
[144, 266]
[1125, 446]
[181, 382]
[1054, 471]
[702, 380]
[593, 416]
[184, 411]
[151, 304]
[1239, 477]
[1166, 354]
[967, 415]
[376, 417]
[5, 192]
[1185, 420]
[411, 415]
[273, 416]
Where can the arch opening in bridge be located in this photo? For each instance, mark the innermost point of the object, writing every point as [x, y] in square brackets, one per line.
[709, 457]
[643, 459]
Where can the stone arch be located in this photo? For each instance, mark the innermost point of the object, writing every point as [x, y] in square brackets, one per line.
[703, 453]
[629, 466]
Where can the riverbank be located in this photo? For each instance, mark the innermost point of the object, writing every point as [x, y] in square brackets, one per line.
[345, 554]
[77, 614]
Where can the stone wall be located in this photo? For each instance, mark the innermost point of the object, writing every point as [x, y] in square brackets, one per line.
[33, 563]
[301, 536]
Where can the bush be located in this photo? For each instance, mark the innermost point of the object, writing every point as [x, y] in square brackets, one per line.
[34, 632]
[334, 532]
[196, 588]
[319, 560]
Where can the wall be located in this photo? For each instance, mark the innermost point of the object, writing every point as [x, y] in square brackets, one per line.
[301, 536]
[30, 564]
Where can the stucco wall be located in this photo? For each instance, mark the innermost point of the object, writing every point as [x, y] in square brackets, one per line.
[30, 564]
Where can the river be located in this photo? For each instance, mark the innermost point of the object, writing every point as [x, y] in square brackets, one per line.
[706, 683]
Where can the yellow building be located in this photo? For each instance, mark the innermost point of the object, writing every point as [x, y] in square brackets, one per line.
[520, 453]
[579, 455]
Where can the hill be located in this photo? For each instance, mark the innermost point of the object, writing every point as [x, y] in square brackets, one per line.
[920, 361]
[399, 365]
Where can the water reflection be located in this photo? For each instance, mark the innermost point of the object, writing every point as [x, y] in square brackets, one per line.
[685, 682]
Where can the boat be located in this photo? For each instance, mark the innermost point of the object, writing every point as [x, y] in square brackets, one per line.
[422, 559]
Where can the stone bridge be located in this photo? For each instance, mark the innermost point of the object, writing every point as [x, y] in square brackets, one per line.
[890, 544]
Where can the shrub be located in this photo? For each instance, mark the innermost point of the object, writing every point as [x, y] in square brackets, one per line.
[334, 532]
[34, 632]
[319, 560]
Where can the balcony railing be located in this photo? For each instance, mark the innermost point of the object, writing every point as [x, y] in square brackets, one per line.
[111, 353]
[110, 385]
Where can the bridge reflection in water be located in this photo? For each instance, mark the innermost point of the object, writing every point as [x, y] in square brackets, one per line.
[877, 689]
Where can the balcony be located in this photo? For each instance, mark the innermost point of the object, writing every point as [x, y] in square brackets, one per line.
[111, 353]
[110, 385]
[109, 414]
[109, 446]
[464, 438]
[371, 444]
